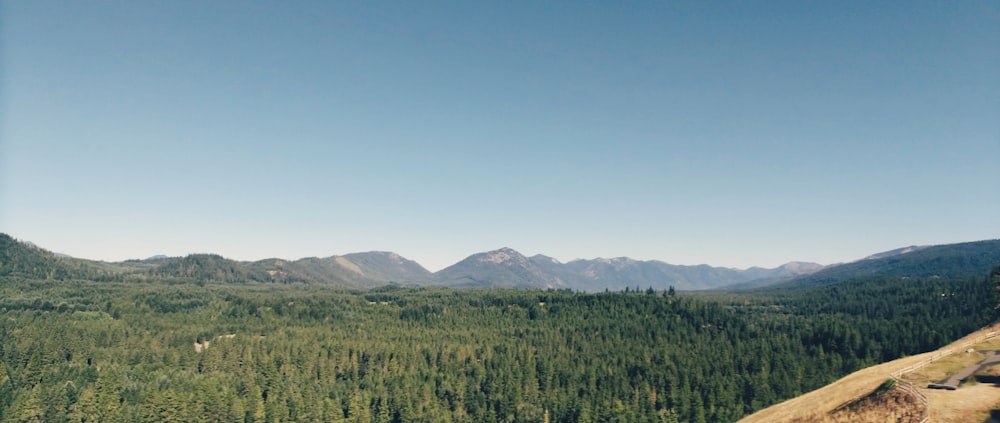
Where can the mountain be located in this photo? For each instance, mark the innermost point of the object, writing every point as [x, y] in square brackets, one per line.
[357, 270]
[506, 268]
[760, 277]
[622, 272]
[503, 268]
[787, 270]
[385, 266]
[949, 260]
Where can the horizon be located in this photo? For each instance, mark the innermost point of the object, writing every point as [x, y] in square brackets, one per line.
[734, 135]
[434, 270]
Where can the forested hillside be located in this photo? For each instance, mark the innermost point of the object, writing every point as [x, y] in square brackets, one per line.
[962, 259]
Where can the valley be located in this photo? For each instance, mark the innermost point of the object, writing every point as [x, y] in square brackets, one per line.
[203, 338]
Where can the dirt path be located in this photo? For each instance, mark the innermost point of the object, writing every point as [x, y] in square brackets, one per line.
[967, 401]
[957, 378]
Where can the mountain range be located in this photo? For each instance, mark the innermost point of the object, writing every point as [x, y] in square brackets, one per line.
[502, 268]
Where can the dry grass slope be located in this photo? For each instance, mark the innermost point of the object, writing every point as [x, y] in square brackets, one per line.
[893, 405]
[856, 389]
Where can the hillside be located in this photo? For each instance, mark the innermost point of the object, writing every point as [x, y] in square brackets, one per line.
[821, 405]
[357, 270]
[963, 259]
[207, 267]
[383, 266]
[26, 260]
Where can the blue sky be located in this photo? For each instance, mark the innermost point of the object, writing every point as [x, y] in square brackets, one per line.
[728, 133]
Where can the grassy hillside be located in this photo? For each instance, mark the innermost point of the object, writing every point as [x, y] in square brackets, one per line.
[825, 404]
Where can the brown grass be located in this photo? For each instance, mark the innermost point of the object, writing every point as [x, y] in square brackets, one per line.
[817, 406]
[894, 405]
[970, 403]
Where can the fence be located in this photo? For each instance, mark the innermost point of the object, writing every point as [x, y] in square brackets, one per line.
[907, 386]
[937, 356]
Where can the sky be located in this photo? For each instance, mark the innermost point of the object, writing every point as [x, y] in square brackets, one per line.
[734, 134]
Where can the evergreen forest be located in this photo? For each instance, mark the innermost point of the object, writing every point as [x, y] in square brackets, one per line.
[74, 349]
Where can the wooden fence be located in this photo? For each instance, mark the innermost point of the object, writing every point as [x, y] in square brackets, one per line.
[907, 386]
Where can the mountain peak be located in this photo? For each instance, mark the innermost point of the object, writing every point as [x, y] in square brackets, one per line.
[503, 268]
[502, 256]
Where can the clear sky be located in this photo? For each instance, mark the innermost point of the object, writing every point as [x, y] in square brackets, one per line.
[727, 133]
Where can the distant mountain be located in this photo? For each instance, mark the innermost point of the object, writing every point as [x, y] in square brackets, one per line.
[357, 270]
[760, 277]
[384, 266]
[508, 268]
[964, 259]
[787, 270]
[503, 268]
[622, 272]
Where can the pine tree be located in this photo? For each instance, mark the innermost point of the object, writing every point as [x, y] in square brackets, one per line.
[358, 410]
[28, 407]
